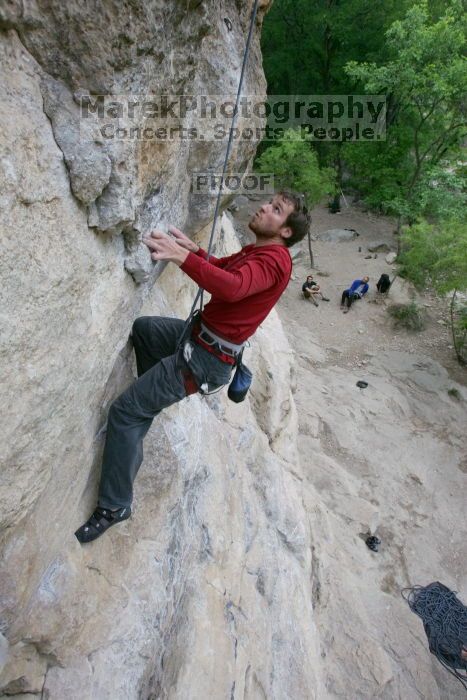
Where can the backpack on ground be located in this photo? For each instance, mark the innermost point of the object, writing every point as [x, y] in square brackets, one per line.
[383, 283]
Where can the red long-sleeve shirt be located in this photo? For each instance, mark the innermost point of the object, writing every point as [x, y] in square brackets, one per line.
[244, 287]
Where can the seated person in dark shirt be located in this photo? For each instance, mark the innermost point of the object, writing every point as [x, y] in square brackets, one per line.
[311, 290]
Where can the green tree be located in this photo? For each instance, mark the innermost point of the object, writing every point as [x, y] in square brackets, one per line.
[294, 164]
[307, 43]
[436, 254]
[425, 82]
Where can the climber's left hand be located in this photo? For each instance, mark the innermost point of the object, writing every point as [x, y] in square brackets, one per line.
[164, 247]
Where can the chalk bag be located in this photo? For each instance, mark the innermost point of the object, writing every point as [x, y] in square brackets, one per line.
[241, 382]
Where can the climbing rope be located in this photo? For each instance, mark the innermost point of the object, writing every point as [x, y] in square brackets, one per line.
[444, 619]
[199, 294]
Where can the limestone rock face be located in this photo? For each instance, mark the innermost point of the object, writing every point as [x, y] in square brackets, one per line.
[205, 591]
[127, 54]
[188, 598]
[237, 575]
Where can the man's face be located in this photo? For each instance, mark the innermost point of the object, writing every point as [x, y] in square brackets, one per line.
[309, 278]
[269, 220]
[365, 279]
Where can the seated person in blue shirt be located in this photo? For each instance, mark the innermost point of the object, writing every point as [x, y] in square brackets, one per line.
[357, 290]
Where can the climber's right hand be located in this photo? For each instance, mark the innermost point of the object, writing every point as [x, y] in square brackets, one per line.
[183, 240]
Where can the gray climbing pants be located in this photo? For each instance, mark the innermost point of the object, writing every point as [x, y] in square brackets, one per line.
[160, 383]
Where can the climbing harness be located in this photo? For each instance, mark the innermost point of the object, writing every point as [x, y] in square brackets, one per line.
[444, 619]
[223, 349]
[228, 352]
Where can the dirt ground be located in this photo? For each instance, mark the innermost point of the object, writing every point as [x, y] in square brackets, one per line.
[388, 460]
[367, 325]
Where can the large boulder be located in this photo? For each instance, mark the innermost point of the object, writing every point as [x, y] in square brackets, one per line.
[379, 247]
[402, 292]
[337, 235]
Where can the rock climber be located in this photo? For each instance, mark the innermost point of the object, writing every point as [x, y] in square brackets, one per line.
[357, 290]
[244, 287]
[312, 290]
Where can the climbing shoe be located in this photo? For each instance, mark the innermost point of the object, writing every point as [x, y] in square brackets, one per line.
[99, 522]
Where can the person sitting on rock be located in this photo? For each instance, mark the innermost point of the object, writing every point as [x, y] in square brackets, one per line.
[173, 361]
[357, 290]
[312, 290]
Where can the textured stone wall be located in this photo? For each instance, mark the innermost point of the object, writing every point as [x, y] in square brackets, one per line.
[187, 598]
[243, 572]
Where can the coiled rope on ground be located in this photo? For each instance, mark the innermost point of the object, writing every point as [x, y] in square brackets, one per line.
[444, 619]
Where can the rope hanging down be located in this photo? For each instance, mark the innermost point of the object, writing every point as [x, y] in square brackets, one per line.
[199, 294]
[444, 619]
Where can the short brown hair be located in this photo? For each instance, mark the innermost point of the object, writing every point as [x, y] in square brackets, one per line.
[299, 220]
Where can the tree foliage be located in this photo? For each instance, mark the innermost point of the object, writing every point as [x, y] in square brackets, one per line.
[425, 81]
[306, 43]
[294, 164]
[436, 254]
[413, 51]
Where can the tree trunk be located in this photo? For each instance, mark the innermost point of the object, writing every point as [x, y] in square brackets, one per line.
[312, 262]
[455, 340]
[336, 204]
[398, 234]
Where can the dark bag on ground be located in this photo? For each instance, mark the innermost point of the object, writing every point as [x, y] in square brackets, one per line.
[241, 382]
[383, 283]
